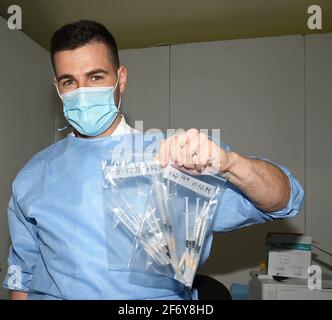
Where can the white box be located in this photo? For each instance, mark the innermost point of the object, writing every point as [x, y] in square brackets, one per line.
[289, 255]
[265, 288]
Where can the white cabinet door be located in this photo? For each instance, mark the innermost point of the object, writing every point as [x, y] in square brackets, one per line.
[147, 95]
[318, 77]
[253, 90]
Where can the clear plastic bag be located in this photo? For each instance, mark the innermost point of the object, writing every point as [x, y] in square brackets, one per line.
[167, 215]
[127, 190]
[188, 203]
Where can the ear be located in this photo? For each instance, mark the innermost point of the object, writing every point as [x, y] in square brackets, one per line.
[122, 72]
[56, 85]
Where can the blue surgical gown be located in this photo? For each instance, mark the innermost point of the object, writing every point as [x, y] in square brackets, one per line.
[57, 226]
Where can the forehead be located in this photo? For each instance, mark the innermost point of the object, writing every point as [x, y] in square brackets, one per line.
[83, 59]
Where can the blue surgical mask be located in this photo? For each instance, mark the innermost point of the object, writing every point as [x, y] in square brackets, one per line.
[90, 110]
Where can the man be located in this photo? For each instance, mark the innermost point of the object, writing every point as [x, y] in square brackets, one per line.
[59, 245]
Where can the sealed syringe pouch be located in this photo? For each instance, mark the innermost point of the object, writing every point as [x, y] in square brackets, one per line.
[189, 203]
[165, 214]
[127, 190]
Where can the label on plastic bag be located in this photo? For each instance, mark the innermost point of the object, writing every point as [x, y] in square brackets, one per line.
[189, 182]
[132, 169]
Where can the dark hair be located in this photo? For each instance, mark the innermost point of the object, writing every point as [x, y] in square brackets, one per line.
[80, 33]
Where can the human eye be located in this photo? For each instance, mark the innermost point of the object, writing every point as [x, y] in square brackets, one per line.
[68, 83]
[96, 78]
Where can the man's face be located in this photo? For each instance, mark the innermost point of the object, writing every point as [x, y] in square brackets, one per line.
[88, 66]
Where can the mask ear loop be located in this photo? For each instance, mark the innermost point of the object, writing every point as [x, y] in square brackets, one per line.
[120, 98]
[57, 90]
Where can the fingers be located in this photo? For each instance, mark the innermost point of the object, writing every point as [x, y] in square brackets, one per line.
[176, 146]
[193, 152]
[164, 155]
[190, 149]
[188, 152]
[196, 152]
[183, 147]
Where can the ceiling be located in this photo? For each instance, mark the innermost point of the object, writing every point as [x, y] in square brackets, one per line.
[146, 23]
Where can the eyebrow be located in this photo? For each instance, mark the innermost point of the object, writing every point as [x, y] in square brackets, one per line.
[92, 72]
[89, 74]
[65, 76]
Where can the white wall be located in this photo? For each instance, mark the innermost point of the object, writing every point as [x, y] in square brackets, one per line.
[147, 69]
[319, 133]
[318, 74]
[26, 115]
